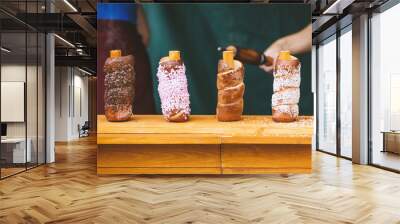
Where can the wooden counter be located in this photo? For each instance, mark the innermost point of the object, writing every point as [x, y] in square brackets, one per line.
[150, 145]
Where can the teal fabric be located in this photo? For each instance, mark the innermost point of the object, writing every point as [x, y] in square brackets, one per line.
[198, 29]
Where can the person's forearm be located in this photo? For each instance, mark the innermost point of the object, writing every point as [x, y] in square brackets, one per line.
[299, 42]
[142, 26]
[296, 43]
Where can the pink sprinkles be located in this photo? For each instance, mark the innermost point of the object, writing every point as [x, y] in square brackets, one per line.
[173, 90]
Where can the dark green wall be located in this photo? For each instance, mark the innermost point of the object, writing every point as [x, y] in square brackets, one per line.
[198, 29]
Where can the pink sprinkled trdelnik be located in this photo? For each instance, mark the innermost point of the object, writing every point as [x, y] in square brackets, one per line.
[173, 89]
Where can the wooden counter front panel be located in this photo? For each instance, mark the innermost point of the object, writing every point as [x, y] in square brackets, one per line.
[148, 144]
[159, 156]
[265, 158]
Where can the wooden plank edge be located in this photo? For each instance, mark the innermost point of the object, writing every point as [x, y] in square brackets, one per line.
[157, 170]
[152, 139]
[266, 140]
[188, 139]
[282, 170]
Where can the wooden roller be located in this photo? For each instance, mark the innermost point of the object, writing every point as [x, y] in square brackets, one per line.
[174, 55]
[248, 56]
[115, 53]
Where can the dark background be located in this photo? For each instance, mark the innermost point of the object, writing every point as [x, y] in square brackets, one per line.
[198, 29]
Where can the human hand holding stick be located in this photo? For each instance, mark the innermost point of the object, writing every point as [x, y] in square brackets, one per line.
[248, 56]
[296, 43]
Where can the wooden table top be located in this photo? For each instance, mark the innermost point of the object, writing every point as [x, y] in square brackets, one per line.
[204, 129]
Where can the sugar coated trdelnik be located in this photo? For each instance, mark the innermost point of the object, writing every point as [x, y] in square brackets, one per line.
[286, 88]
[173, 88]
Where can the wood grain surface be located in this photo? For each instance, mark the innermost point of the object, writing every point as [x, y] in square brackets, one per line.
[167, 139]
[247, 171]
[266, 156]
[157, 170]
[251, 129]
[158, 156]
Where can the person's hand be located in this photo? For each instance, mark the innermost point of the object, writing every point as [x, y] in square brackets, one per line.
[273, 52]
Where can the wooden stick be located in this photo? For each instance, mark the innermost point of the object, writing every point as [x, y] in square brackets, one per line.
[175, 55]
[285, 55]
[228, 56]
[115, 53]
